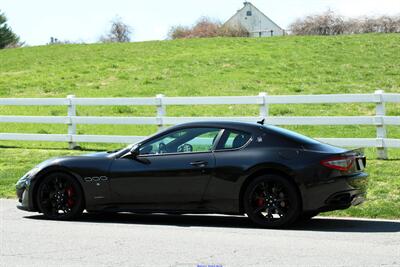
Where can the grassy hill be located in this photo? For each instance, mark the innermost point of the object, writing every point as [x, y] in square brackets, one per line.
[196, 67]
[202, 67]
[226, 66]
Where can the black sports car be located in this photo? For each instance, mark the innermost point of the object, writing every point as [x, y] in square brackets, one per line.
[273, 175]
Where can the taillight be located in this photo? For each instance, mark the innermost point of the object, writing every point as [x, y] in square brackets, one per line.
[341, 163]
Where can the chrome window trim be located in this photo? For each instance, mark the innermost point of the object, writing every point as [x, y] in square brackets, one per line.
[218, 137]
[235, 149]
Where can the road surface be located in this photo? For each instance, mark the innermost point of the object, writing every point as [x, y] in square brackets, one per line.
[27, 239]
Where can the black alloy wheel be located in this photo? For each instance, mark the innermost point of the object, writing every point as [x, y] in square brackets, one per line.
[272, 201]
[60, 197]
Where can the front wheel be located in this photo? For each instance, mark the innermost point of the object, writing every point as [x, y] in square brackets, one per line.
[60, 197]
[272, 201]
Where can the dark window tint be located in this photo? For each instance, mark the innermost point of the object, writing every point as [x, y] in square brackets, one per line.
[233, 139]
[248, 13]
[182, 141]
[298, 138]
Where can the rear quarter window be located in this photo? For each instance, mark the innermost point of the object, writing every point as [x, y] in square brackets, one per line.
[233, 139]
[290, 136]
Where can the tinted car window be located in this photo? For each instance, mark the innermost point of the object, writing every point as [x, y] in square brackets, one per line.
[296, 137]
[234, 139]
[182, 141]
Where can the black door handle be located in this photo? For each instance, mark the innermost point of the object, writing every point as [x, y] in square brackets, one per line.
[200, 164]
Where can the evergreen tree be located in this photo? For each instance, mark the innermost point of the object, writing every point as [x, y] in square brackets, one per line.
[7, 36]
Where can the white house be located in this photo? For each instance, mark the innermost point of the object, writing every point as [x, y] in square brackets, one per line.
[255, 22]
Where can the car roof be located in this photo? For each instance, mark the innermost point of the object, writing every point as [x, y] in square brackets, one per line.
[220, 124]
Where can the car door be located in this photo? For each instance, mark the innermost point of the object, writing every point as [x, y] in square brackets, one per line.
[230, 158]
[231, 161]
[171, 171]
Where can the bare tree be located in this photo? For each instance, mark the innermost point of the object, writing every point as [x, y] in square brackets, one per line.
[390, 24]
[327, 23]
[179, 32]
[233, 31]
[206, 28]
[119, 32]
[330, 23]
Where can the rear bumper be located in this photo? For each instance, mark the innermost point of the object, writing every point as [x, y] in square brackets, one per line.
[340, 193]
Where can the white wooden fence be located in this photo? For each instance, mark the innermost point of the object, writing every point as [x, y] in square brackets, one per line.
[380, 120]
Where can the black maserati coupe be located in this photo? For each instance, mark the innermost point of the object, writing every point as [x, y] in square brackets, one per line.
[274, 176]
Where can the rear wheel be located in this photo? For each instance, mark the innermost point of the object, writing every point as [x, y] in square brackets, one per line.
[60, 197]
[272, 201]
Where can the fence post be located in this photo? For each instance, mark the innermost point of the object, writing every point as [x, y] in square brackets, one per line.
[264, 105]
[161, 111]
[71, 125]
[380, 125]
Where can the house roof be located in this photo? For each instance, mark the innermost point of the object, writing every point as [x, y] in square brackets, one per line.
[248, 3]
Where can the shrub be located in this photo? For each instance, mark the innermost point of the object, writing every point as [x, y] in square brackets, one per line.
[206, 28]
[179, 32]
[237, 31]
[329, 23]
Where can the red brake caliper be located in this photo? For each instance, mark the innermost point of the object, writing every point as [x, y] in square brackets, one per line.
[260, 202]
[70, 193]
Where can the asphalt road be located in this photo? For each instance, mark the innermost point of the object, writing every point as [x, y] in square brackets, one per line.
[27, 239]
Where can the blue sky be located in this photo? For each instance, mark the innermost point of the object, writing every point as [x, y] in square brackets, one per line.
[86, 20]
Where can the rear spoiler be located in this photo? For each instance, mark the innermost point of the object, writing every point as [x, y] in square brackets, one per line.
[355, 152]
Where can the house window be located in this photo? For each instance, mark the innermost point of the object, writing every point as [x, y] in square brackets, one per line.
[248, 13]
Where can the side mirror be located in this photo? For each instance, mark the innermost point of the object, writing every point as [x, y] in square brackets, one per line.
[134, 152]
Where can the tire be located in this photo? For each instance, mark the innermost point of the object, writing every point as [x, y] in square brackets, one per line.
[60, 197]
[272, 201]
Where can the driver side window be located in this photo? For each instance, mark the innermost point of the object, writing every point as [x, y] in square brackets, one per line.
[182, 141]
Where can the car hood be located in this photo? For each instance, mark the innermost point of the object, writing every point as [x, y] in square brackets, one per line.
[97, 155]
[60, 160]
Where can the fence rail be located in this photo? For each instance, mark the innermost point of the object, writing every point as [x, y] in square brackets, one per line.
[379, 98]
[343, 120]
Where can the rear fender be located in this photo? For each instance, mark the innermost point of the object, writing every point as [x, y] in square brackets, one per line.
[262, 169]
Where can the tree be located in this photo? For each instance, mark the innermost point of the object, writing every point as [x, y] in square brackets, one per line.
[7, 37]
[120, 32]
[329, 23]
[206, 28]
[179, 32]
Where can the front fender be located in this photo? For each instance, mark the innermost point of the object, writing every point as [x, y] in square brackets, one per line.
[95, 191]
[45, 171]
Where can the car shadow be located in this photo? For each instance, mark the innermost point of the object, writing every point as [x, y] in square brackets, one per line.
[323, 224]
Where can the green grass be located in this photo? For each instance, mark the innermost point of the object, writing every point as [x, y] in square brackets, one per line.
[200, 67]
